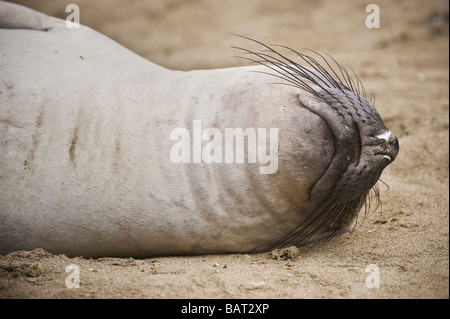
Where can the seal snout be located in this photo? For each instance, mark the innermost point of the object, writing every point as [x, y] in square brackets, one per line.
[389, 146]
[363, 146]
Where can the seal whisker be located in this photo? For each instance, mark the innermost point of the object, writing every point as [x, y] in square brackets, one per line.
[328, 211]
[265, 60]
[357, 84]
[374, 191]
[316, 65]
[293, 83]
[280, 65]
[385, 184]
[302, 71]
[343, 82]
[342, 70]
[338, 84]
[360, 86]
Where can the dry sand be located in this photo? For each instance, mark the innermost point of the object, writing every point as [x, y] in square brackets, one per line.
[405, 61]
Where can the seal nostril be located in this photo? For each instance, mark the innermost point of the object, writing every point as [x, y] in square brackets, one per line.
[394, 148]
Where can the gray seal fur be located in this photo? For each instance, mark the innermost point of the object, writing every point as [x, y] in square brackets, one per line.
[84, 148]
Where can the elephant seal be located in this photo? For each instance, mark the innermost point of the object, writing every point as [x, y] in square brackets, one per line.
[103, 153]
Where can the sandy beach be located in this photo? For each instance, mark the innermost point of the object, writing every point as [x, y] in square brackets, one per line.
[405, 62]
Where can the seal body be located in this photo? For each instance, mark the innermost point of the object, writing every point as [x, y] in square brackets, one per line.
[87, 149]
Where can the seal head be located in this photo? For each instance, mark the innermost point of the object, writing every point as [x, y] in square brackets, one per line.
[363, 145]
